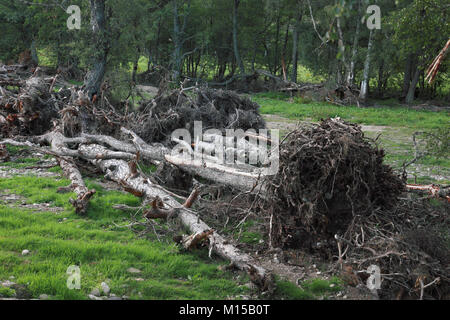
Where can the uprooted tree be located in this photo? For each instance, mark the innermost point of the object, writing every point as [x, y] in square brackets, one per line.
[332, 186]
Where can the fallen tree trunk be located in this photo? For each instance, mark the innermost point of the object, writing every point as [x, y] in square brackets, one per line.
[58, 144]
[65, 160]
[431, 190]
[119, 171]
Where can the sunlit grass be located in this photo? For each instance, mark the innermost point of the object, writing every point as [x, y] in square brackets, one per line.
[278, 103]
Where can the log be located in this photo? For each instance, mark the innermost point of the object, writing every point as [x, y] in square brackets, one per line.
[240, 179]
[118, 171]
[430, 190]
[70, 170]
[58, 144]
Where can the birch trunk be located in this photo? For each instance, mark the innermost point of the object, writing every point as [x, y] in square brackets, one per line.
[365, 82]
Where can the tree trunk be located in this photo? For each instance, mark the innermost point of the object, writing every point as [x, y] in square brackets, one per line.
[135, 67]
[235, 37]
[295, 47]
[407, 76]
[365, 82]
[412, 87]
[34, 55]
[177, 43]
[118, 171]
[343, 57]
[381, 79]
[95, 75]
[351, 70]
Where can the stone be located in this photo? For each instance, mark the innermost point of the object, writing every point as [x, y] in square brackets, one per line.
[43, 297]
[133, 270]
[7, 284]
[25, 252]
[95, 292]
[105, 288]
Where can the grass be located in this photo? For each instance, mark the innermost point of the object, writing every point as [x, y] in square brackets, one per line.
[308, 290]
[280, 104]
[103, 251]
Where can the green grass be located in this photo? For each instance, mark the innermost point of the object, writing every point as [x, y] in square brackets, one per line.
[6, 292]
[103, 251]
[321, 286]
[308, 290]
[279, 104]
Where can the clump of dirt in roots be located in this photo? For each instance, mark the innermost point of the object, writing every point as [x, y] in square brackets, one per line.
[177, 109]
[328, 174]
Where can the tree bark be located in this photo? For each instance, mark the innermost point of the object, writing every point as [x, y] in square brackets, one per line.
[295, 47]
[235, 37]
[95, 76]
[407, 76]
[412, 87]
[365, 82]
[351, 71]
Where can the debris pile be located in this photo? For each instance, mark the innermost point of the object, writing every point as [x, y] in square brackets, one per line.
[329, 173]
[333, 196]
[179, 108]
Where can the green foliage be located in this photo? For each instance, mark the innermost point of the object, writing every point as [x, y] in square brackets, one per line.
[144, 35]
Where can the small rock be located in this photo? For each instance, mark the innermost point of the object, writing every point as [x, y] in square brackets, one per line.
[7, 284]
[344, 297]
[92, 297]
[105, 288]
[95, 292]
[275, 259]
[12, 277]
[318, 272]
[250, 286]
[43, 297]
[115, 298]
[133, 270]
[125, 297]
[25, 252]
[332, 285]
[138, 279]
